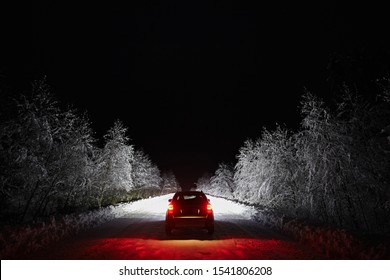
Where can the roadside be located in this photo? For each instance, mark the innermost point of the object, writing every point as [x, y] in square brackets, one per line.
[331, 242]
[240, 228]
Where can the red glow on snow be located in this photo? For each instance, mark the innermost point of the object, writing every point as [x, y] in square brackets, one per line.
[151, 249]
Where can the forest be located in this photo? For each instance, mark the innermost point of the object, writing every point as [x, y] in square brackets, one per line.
[51, 164]
[333, 170]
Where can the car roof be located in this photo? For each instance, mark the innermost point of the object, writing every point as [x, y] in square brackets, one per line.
[189, 192]
[197, 193]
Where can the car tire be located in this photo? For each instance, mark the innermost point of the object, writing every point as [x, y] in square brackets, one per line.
[210, 230]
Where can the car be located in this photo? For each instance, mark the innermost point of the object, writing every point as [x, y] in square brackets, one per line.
[189, 209]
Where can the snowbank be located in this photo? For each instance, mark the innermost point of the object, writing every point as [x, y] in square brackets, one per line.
[231, 208]
[329, 242]
[16, 243]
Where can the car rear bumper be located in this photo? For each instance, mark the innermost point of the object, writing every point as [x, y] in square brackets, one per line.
[190, 221]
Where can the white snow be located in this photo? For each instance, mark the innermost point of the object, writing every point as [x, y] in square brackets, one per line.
[226, 208]
[151, 206]
[158, 205]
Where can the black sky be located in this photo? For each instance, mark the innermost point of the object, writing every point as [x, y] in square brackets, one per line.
[192, 80]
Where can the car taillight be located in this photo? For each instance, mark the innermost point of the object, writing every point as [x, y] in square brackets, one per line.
[209, 208]
[170, 208]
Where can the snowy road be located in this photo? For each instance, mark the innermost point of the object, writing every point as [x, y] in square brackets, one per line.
[140, 234]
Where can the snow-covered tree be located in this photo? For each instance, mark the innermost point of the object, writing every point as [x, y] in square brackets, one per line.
[49, 163]
[248, 171]
[45, 155]
[114, 168]
[333, 170]
[265, 171]
[169, 183]
[145, 175]
[222, 183]
[346, 169]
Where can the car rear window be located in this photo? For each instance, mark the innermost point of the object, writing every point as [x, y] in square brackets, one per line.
[190, 197]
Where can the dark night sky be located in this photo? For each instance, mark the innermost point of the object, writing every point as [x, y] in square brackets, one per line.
[191, 80]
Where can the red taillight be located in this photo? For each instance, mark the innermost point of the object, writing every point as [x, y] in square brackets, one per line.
[209, 208]
[170, 208]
